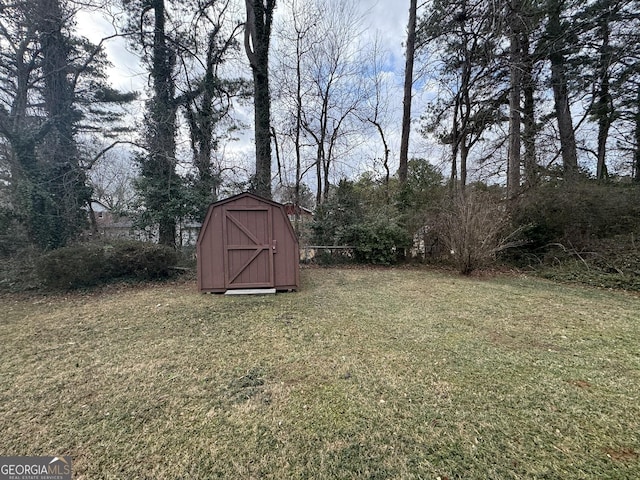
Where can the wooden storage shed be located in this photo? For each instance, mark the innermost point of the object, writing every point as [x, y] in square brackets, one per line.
[247, 242]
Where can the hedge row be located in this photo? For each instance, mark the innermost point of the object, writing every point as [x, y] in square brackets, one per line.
[88, 264]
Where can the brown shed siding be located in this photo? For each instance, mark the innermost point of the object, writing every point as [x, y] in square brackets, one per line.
[247, 242]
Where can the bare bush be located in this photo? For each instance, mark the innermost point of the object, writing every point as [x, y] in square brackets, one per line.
[474, 226]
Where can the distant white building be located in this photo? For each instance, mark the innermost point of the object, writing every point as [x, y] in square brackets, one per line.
[109, 225]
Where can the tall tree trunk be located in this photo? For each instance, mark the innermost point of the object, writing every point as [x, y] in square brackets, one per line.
[298, 134]
[319, 176]
[565, 123]
[515, 88]
[68, 194]
[561, 93]
[200, 119]
[262, 132]
[326, 171]
[464, 157]
[322, 160]
[385, 159]
[257, 35]
[455, 144]
[162, 130]
[276, 145]
[465, 116]
[636, 153]
[528, 116]
[604, 103]
[408, 85]
[203, 116]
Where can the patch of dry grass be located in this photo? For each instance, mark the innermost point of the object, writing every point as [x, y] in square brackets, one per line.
[394, 373]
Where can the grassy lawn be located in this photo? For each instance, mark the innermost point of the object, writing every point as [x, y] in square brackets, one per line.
[363, 374]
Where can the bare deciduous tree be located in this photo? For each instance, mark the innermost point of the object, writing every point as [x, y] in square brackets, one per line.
[334, 72]
[297, 36]
[319, 85]
[375, 109]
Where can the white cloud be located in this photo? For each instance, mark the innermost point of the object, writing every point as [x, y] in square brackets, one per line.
[126, 73]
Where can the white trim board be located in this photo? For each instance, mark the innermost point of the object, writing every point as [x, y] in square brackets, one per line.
[251, 291]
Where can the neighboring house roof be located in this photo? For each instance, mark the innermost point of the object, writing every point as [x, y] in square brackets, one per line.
[291, 209]
[98, 206]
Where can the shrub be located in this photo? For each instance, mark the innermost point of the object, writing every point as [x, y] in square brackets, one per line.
[139, 260]
[376, 242]
[89, 264]
[576, 215]
[610, 263]
[73, 266]
[13, 236]
[18, 271]
[343, 208]
[585, 233]
[331, 256]
[474, 226]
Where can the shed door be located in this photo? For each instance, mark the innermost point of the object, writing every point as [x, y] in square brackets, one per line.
[248, 243]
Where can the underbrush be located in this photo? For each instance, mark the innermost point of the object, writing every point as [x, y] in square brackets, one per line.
[89, 264]
[606, 263]
[18, 272]
[585, 233]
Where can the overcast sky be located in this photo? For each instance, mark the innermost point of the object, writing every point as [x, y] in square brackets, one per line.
[387, 18]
